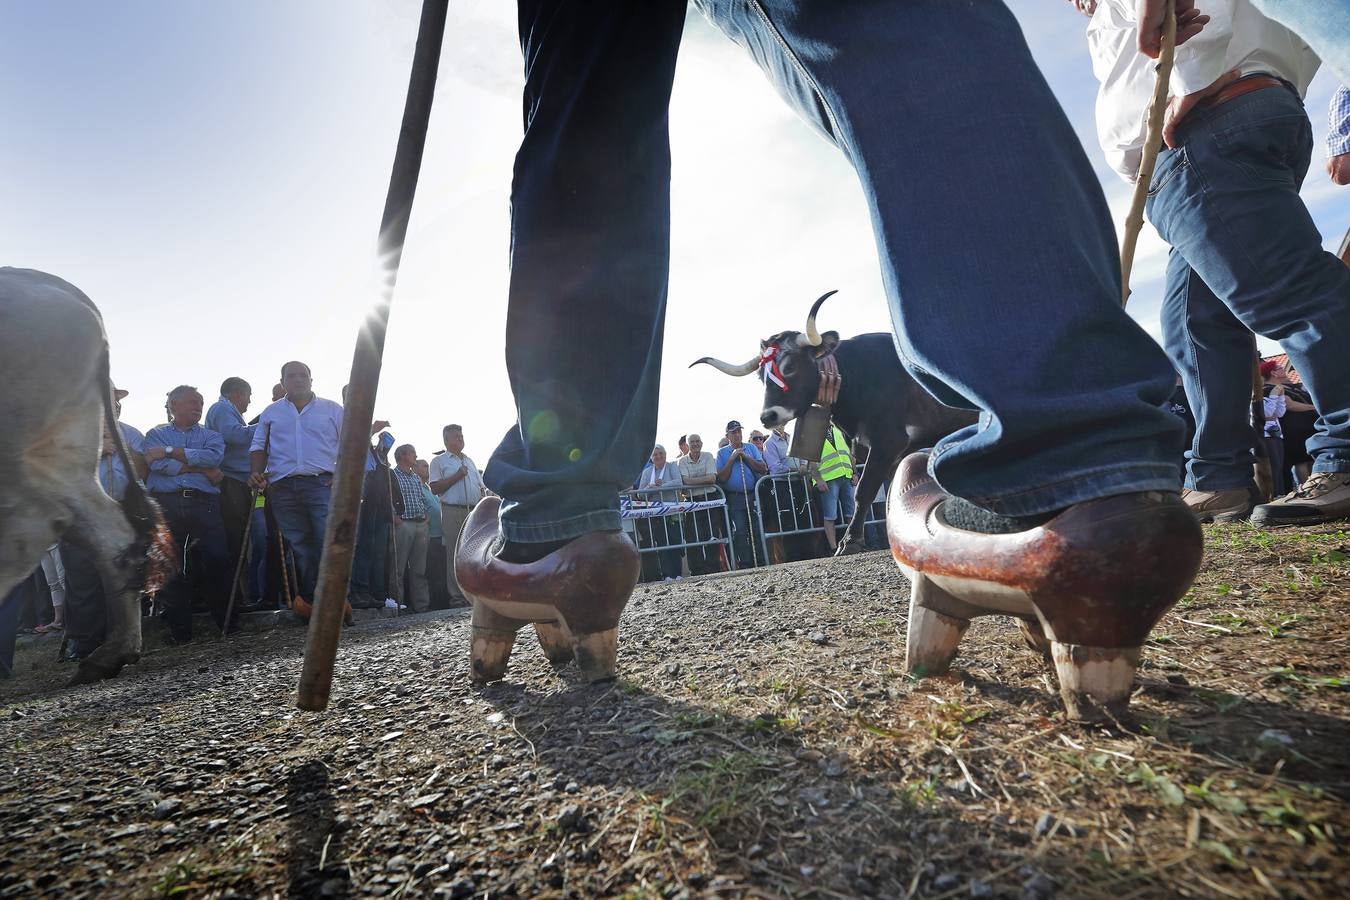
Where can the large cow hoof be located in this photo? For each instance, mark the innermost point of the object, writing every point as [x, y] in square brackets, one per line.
[99, 665]
[575, 595]
[1096, 578]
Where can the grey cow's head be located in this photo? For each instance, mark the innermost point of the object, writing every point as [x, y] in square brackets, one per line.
[786, 364]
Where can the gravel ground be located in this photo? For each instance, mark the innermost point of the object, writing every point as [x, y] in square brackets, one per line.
[762, 740]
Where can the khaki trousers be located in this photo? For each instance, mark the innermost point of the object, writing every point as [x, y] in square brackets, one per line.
[452, 523]
[410, 542]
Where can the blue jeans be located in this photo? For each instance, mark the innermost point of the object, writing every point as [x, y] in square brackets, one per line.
[838, 498]
[744, 533]
[257, 550]
[985, 159]
[1324, 24]
[1247, 257]
[300, 506]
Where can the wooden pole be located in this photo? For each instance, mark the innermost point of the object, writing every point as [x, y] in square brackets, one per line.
[335, 568]
[1134, 220]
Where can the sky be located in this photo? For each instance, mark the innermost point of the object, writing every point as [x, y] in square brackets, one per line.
[212, 175]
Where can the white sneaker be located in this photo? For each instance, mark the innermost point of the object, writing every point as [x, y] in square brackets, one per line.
[390, 603]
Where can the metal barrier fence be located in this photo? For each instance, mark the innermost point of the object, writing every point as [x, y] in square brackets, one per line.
[673, 521]
[786, 500]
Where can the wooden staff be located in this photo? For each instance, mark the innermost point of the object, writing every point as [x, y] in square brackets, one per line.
[1134, 220]
[335, 567]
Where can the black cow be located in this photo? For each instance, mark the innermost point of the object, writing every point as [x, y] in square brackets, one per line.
[880, 405]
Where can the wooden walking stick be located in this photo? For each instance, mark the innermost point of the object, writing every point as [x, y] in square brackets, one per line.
[335, 567]
[239, 566]
[1134, 220]
[243, 547]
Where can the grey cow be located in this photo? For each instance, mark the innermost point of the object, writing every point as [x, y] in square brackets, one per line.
[57, 398]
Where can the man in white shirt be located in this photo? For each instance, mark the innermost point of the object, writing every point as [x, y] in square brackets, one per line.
[698, 473]
[455, 479]
[1246, 256]
[292, 457]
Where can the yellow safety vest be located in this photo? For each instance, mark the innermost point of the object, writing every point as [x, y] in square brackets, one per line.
[835, 461]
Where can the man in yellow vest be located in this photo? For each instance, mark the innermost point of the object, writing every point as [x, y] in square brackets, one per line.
[834, 479]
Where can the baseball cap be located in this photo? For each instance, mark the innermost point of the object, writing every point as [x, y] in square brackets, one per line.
[732, 426]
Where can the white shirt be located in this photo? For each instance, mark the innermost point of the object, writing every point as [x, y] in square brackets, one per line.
[299, 441]
[465, 492]
[706, 465]
[1236, 38]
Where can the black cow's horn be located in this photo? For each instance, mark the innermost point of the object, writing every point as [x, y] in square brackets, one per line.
[812, 336]
[743, 369]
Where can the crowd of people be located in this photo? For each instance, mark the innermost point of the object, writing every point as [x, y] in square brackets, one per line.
[811, 497]
[247, 505]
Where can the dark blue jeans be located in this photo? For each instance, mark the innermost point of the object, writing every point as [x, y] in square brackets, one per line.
[744, 530]
[300, 507]
[1246, 257]
[198, 518]
[998, 253]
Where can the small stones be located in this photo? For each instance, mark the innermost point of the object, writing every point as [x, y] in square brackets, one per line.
[571, 787]
[981, 888]
[398, 863]
[167, 807]
[390, 736]
[833, 767]
[817, 637]
[572, 819]
[1039, 887]
[946, 881]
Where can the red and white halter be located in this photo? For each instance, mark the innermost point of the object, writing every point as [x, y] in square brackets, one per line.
[768, 365]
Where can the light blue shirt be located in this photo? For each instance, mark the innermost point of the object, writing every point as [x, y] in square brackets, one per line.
[433, 512]
[742, 477]
[225, 419]
[299, 441]
[204, 449]
[111, 473]
[775, 455]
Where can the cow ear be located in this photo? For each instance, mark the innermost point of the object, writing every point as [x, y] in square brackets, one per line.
[828, 341]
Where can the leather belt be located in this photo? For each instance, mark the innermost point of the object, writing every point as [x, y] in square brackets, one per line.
[457, 505]
[189, 493]
[1243, 86]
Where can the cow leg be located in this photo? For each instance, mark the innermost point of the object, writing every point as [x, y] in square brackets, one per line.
[30, 522]
[865, 493]
[103, 532]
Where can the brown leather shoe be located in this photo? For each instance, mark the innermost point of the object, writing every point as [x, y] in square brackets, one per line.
[1096, 578]
[574, 596]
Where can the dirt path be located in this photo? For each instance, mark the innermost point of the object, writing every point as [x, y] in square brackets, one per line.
[761, 741]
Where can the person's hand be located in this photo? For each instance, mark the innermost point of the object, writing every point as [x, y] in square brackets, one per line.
[257, 481]
[377, 426]
[1150, 14]
[822, 487]
[1277, 390]
[1179, 107]
[1338, 167]
[155, 453]
[215, 476]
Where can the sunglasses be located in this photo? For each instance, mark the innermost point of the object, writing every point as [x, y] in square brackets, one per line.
[758, 439]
